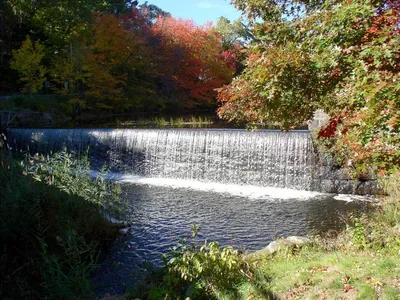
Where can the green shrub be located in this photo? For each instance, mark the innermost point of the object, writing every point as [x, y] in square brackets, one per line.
[67, 108]
[208, 267]
[160, 121]
[195, 271]
[72, 176]
[379, 230]
[52, 225]
[18, 101]
[391, 207]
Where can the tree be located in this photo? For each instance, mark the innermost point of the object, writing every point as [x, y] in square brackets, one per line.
[67, 70]
[151, 13]
[340, 56]
[235, 36]
[57, 24]
[28, 62]
[233, 33]
[13, 31]
[119, 7]
[64, 21]
[191, 58]
[119, 70]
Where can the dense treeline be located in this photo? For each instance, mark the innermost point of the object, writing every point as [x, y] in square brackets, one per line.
[337, 55]
[114, 55]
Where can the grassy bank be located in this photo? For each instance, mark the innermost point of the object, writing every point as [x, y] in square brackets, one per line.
[175, 122]
[361, 262]
[52, 225]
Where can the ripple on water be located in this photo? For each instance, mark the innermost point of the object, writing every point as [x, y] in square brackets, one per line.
[162, 214]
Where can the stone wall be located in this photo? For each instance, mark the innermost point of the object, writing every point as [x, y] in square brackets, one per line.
[333, 178]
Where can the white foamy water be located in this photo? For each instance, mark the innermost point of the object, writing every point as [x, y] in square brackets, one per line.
[248, 191]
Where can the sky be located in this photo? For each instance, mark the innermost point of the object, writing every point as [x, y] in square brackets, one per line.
[200, 11]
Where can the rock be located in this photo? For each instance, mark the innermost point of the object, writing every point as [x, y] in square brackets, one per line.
[342, 174]
[319, 120]
[336, 179]
[298, 240]
[369, 187]
[355, 198]
[271, 248]
[346, 186]
[123, 225]
[124, 230]
[328, 186]
[289, 242]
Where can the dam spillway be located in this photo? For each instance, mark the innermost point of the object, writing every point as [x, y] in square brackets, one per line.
[263, 158]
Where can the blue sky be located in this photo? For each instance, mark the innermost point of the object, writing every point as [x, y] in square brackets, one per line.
[200, 11]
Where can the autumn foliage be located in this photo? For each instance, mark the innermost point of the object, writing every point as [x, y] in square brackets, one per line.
[129, 60]
[121, 56]
[118, 65]
[340, 56]
[191, 59]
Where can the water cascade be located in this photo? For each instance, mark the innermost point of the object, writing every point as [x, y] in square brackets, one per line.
[262, 158]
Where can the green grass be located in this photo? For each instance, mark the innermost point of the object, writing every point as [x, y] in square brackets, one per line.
[178, 122]
[314, 272]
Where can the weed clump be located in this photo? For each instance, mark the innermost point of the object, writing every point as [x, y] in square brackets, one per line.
[52, 225]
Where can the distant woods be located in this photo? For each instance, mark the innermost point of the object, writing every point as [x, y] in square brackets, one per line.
[116, 55]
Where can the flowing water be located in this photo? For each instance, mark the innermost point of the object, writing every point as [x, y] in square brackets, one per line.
[242, 188]
[263, 158]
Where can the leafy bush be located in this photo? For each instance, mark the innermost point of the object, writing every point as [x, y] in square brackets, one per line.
[380, 231]
[208, 267]
[18, 101]
[73, 176]
[52, 225]
[196, 271]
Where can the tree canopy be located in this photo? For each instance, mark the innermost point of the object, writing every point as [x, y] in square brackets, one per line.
[114, 55]
[336, 55]
[28, 62]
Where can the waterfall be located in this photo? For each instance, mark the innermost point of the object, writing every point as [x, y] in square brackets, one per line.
[261, 158]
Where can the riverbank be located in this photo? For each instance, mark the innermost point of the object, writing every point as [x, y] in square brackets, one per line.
[56, 111]
[361, 262]
[52, 226]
